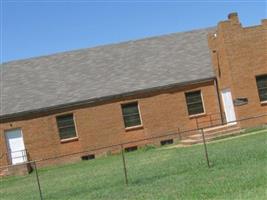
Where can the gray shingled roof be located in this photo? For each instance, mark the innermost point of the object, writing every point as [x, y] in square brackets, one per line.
[104, 71]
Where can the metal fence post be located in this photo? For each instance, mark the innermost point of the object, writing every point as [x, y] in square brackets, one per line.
[38, 181]
[124, 165]
[205, 147]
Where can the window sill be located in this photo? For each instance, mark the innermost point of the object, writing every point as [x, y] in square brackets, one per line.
[134, 128]
[69, 140]
[197, 115]
[263, 103]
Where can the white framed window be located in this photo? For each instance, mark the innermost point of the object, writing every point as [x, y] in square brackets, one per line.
[262, 87]
[66, 126]
[131, 114]
[194, 102]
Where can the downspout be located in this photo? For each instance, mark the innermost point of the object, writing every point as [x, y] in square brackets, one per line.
[219, 100]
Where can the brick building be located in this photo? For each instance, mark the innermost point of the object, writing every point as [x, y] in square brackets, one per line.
[86, 99]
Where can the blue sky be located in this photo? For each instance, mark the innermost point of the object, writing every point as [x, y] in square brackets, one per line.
[35, 28]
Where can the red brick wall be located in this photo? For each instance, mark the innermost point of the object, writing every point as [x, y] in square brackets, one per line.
[102, 125]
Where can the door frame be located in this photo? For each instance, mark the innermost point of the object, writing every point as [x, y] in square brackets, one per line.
[9, 155]
[224, 107]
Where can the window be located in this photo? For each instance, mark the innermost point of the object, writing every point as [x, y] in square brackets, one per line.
[131, 114]
[66, 126]
[262, 87]
[194, 102]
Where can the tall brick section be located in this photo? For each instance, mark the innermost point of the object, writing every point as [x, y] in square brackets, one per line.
[239, 55]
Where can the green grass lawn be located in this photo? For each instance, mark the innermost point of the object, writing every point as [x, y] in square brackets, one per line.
[239, 171]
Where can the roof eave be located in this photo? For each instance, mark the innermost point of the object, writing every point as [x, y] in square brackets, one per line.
[9, 117]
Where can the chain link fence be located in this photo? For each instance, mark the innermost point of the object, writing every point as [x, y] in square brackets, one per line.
[158, 162]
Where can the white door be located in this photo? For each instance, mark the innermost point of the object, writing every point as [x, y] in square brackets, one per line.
[15, 144]
[228, 106]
